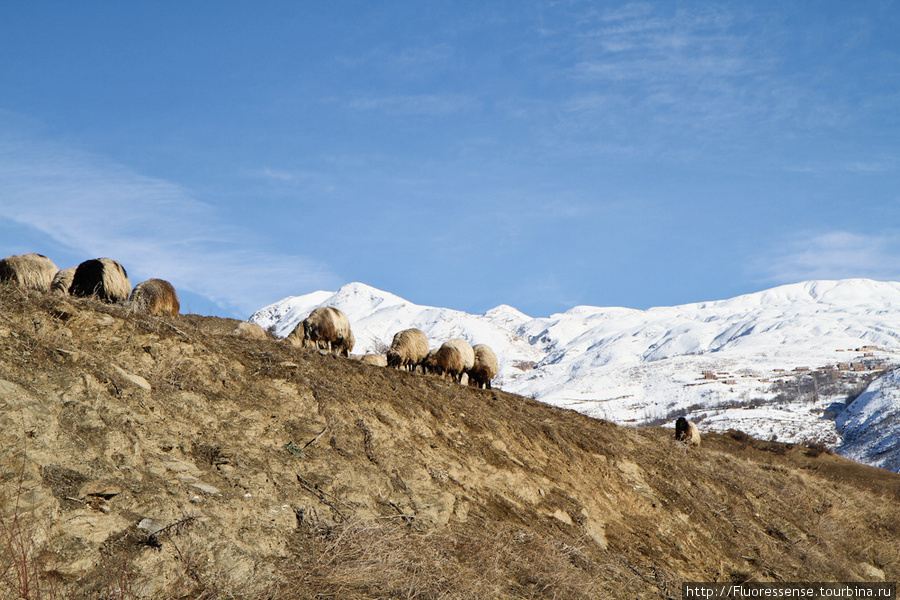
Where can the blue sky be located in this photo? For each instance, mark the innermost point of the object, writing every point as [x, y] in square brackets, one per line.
[458, 154]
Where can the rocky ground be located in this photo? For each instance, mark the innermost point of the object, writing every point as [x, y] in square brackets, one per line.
[145, 457]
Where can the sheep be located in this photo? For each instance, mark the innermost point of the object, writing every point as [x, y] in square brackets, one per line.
[30, 271]
[250, 330]
[327, 328]
[408, 349]
[452, 359]
[485, 367]
[155, 297]
[62, 281]
[102, 278]
[375, 360]
[344, 346]
[687, 432]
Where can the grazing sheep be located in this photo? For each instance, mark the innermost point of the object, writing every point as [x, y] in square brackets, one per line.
[344, 346]
[155, 297]
[326, 328]
[250, 330]
[31, 271]
[485, 368]
[451, 360]
[408, 349]
[103, 278]
[375, 360]
[687, 432]
[62, 281]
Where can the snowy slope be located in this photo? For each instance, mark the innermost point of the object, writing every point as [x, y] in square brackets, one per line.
[765, 356]
[869, 425]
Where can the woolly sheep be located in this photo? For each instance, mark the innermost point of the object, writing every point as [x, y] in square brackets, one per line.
[250, 330]
[62, 281]
[485, 367]
[452, 359]
[31, 271]
[376, 360]
[408, 349]
[102, 278]
[687, 432]
[155, 297]
[326, 328]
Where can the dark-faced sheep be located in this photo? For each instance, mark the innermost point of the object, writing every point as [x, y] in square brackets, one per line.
[408, 349]
[62, 281]
[485, 367]
[102, 278]
[325, 328]
[30, 271]
[155, 297]
[687, 432]
[451, 360]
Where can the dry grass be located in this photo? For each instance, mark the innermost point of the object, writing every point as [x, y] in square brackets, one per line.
[434, 491]
[365, 560]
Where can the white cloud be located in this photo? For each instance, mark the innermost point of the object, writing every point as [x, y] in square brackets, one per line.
[833, 255]
[155, 228]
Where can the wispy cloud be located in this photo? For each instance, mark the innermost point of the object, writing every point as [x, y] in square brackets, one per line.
[832, 255]
[416, 104]
[155, 228]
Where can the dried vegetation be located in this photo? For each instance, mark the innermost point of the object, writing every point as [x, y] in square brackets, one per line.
[158, 457]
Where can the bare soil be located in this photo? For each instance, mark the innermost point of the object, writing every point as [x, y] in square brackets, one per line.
[145, 457]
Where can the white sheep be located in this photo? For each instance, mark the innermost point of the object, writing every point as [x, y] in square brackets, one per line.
[451, 360]
[408, 349]
[325, 328]
[31, 271]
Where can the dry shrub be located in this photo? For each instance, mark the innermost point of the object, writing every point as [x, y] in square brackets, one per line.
[360, 560]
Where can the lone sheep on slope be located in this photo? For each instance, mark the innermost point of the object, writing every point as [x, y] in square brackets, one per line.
[408, 349]
[155, 297]
[62, 281]
[103, 278]
[452, 359]
[32, 271]
[326, 328]
[249, 330]
[376, 360]
[687, 432]
[485, 367]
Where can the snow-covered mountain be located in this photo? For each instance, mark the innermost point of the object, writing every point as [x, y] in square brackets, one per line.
[777, 363]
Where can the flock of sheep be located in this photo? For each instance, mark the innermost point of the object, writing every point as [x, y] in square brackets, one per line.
[328, 328]
[325, 328]
[102, 278]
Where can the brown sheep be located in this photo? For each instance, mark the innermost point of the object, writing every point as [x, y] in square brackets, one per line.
[62, 281]
[687, 432]
[155, 297]
[485, 368]
[102, 278]
[31, 271]
[451, 360]
[325, 328]
[408, 349]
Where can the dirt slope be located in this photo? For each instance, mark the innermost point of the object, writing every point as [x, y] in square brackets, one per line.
[164, 458]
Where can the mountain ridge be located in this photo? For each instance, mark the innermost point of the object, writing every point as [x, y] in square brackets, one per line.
[167, 458]
[727, 363]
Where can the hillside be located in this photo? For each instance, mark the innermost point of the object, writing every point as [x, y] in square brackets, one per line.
[779, 364]
[165, 458]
